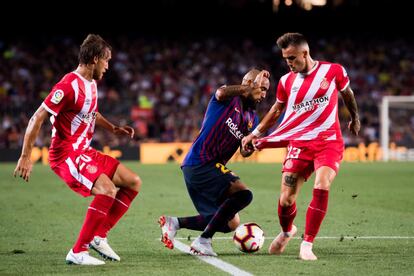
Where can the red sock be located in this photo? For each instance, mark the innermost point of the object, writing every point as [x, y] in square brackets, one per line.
[315, 214]
[97, 211]
[286, 216]
[123, 200]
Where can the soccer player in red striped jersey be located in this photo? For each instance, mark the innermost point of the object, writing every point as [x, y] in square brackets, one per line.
[310, 129]
[73, 106]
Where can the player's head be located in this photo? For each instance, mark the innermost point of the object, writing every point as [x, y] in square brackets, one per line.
[248, 79]
[95, 52]
[295, 50]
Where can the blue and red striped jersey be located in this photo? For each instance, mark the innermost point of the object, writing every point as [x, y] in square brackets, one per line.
[224, 126]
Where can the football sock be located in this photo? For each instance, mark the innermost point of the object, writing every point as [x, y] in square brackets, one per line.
[286, 216]
[198, 223]
[233, 204]
[96, 214]
[315, 214]
[123, 200]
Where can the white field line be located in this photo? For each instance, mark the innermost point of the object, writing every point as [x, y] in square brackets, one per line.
[332, 238]
[214, 261]
[233, 270]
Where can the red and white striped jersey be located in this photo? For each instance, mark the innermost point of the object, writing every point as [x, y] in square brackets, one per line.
[73, 103]
[311, 105]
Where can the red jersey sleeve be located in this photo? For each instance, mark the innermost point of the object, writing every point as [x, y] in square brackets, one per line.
[281, 95]
[58, 98]
[342, 79]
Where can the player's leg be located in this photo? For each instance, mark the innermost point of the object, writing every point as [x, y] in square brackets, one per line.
[327, 159]
[290, 187]
[225, 219]
[104, 191]
[237, 197]
[193, 176]
[170, 225]
[296, 170]
[83, 174]
[129, 185]
[316, 210]
[228, 195]
[233, 223]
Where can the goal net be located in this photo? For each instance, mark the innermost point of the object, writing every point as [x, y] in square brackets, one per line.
[397, 128]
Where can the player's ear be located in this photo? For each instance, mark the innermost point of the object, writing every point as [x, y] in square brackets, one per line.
[95, 60]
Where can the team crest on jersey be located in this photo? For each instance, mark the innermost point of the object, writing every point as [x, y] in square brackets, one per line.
[288, 164]
[88, 118]
[324, 84]
[91, 169]
[250, 125]
[57, 96]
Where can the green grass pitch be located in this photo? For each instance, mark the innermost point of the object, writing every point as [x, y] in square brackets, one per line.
[40, 220]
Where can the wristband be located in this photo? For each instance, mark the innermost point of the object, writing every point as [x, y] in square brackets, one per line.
[256, 132]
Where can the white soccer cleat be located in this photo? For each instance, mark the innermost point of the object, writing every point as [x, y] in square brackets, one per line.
[278, 245]
[169, 227]
[306, 253]
[82, 258]
[101, 246]
[202, 246]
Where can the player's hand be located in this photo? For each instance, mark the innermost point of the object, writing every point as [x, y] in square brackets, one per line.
[354, 126]
[23, 168]
[262, 79]
[125, 130]
[247, 142]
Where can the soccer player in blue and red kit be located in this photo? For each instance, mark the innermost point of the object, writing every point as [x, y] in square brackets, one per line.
[217, 193]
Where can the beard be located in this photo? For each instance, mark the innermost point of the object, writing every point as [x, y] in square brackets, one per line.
[249, 103]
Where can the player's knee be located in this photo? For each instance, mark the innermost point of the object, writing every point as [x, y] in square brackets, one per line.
[104, 186]
[323, 184]
[287, 199]
[243, 197]
[136, 183]
[107, 188]
[248, 196]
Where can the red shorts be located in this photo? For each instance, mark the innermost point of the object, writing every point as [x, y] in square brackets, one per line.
[80, 171]
[304, 157]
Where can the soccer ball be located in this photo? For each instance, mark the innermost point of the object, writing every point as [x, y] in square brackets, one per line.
[249, 237]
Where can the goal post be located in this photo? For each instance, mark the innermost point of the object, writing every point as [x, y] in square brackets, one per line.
[404, 104]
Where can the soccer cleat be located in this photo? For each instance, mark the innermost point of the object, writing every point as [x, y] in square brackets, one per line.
[82, 258]
[278, 245]
[169, 227]
[101, 246]
[202, 246]
[306, 253]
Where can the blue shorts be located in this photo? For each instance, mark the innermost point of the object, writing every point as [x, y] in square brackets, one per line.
[207, 184]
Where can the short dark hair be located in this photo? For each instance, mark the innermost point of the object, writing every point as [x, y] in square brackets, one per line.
[93, 46]
[288, 39]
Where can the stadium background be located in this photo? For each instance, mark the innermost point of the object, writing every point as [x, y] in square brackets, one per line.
[169, 56]
[175, 52]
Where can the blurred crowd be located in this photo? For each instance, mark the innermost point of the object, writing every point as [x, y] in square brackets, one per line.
[161, 87]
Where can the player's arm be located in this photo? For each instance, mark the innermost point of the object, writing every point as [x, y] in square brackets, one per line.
[229, 91]
[24, 165]
[351, 104]
[118, 130]
[267, 122]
